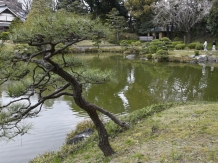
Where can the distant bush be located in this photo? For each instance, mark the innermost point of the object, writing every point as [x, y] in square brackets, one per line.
[4, 36]
[127, 41]
[144, 50]
[162, 48]
[176, 39]
[162, 55]
[157, 42]
[123, 44]
[136, 43]
[61, 45]
[152, 48]
[170, 46]
[196, 52]
[166, 39]
[149, 56]
[180, 46]
[128, 36]
[192, 45]
[145, 44]
[174, 43]
[199, 47]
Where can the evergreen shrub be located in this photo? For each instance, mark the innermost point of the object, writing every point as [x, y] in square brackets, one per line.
[152, 49]
[176, 39]
[123, 44]
[128, 36]
[157, 42]
[199, 47]
[162, 55]
[166, 40]
[192, 45]
[144, 51]
[162, 48]
[4, 36]
[170, 47]
[180, 46]
[149, 56]
[136, 43]
[127, 41]
[174, 43]
[196, 52]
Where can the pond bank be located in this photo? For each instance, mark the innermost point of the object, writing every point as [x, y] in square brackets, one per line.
[172, 132]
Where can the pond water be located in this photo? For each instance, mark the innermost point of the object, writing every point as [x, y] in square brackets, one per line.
[134, 86]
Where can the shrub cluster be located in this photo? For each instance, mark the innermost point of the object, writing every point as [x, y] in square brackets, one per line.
[199, 47]
[180, 46]
[162, 55]
[192, 45]
[4, 36]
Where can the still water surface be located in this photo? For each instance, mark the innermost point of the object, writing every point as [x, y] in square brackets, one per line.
[134, 86]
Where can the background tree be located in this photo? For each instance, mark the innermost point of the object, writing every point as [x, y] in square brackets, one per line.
[101, 8]
[181, 14]
[213, 18]
[140, 12]
[144, 23]
[34, 69]
[15, 24]
[76, 6]
[117, 22]
[40, 7]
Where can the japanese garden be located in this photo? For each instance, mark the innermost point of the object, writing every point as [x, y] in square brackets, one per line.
[108, 81]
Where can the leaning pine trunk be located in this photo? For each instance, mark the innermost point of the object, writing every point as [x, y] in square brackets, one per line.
[103, 144]
[91, 109]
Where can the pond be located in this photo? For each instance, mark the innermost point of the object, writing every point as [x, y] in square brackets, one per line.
[135, 85]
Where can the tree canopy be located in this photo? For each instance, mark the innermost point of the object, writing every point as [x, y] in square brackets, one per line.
[213, 18]
[184, 15]
[76, 6]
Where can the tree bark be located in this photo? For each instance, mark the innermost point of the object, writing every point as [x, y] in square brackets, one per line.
[103, 143]
[188, 37]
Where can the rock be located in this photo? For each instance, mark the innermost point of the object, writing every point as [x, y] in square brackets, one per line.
[192, 56]
[201, 58]
[144, 58]
[80, 136]
[211, 59]
[130, 57]
[194, 61]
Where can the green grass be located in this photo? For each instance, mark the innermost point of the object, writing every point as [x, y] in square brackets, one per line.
[90, 43]
[159, 133]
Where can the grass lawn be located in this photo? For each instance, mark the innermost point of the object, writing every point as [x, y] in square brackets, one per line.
[179, 133]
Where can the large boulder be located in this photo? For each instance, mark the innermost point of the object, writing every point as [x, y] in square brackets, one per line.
[80, 136]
